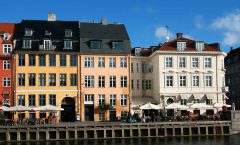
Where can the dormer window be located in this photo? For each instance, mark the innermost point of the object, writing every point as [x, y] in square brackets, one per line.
[47, 44]
[67, 44]
[137, 51]
[68, 33]
[95, 44]
[181, 46]
[117, 45]
[27, 43]
[47, 32]
[199, 46]
[28, 32]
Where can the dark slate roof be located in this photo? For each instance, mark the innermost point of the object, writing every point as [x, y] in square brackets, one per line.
[107, 33]
[233, 56]
[56, 28]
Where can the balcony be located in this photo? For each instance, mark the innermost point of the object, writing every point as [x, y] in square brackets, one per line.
[225, 89]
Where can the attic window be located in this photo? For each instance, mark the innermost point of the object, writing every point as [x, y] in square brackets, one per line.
[181, 46]
[137, 51]
[28, 32]
[47, 32]
[95, 44]
[117, 45]
[68, 33]
[199, 46]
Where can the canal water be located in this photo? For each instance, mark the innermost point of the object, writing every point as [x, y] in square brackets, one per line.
[208, 140]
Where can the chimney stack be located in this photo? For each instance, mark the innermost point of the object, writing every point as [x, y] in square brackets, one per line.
[104, 21]
[51, 17]
[179, 35]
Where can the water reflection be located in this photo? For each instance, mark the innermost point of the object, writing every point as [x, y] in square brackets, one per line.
[207, 140]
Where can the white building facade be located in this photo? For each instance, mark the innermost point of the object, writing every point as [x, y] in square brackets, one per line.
[185, 72]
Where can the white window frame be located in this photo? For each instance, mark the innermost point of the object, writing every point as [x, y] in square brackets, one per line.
[182, 62]
[123, 100]
[89, 62]
[28, 32]
[27, 43]
[101, 81]
[101, 99]
[6, 65]
[182, 81]
[123, 82]
[7, 48]
[208, 62]
[195, 81]
[113, 100]
[88, 98]
[169, 81]
[89, 81]
[47, 44]
[181, 46]
[168, 62]
[6, 82]
[68, 33]
[112, 82]
[123, 62]
[112, 62]
[67, 44]
[208, 81]
[101, 62]
[200, 46]
[195, 62]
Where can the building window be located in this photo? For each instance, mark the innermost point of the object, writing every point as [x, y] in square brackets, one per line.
[101, 99]
[95, 44]
[183, 101]
[89, 62]
[208, 81]
[52, 60]
[42, 100]
[68, 33]
[62, 79]
[42, 60]
[6, 64]
[132, 84]
[7, 48]
[148, 84]
[208, 63]
[52, 79]
[200, 46]
[6, 82]
[73, 60]
[101, 81]
[101, 62]
[138, 84]
[73, 78]
[123, 62]
[32, 79]
[168, 62]
[52, 99]
[195, 62]
[62, 60]
[47, 44]
[182, 81]
[67, 44]
[117, 45]
[123, 100]
[169, 81]
[124, 114]
[182, 62]
[88, 99]
[27, 43]
[113, 100]
[209, 102]
[123, 81]
[21, 60]
[195, 81]
[21, 100]
[112, 81]
[28, 32]
[112, 62]
[196, 101]
[181, 46]
[89, 81]
[31, 59]
[42, 79]
[132, 68]
[21, 79]
[31, 100]
[137, 68]
[101, 116]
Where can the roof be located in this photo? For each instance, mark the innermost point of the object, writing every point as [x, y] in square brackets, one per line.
[7, 28]
[190, 45]
[233, 56]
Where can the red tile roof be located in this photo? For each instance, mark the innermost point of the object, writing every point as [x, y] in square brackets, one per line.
[7, 28]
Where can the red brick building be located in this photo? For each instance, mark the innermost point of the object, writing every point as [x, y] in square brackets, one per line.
[6, 63]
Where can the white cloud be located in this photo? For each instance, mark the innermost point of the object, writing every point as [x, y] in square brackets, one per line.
[198, 21]
[230, 24]
[161, 33]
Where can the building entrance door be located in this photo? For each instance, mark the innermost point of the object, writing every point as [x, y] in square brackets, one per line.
[112, 115]
[68, 114]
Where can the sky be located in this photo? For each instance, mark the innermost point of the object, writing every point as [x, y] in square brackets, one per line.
[146, 21]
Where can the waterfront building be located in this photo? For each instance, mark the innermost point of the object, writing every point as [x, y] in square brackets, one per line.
[187, 73]
[6, 63]
[233, 76]
[47, 67]
[105, 74]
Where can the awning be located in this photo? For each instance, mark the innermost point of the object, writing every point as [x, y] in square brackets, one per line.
[176, 106]
[220, 105]
[48, 108]
[200, 106]
[209, 96]
[197, 96]
[20, 108]
[184, 96]
[4, 108]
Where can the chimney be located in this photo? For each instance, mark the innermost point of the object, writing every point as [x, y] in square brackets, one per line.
[51, 17]
[104, 21]
[179, 35]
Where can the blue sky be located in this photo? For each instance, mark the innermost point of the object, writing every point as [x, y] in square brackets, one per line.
[208, 20]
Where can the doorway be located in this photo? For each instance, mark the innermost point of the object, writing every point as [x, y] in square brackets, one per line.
[113, 116]
[69, 114]
[89, 112]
